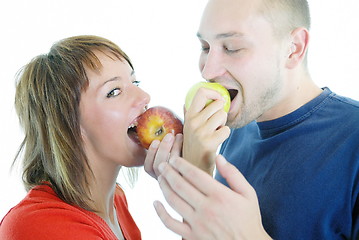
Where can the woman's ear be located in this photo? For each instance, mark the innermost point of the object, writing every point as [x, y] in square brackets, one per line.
[298, 47]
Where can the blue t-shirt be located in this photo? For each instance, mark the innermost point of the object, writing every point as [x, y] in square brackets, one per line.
[305, 169]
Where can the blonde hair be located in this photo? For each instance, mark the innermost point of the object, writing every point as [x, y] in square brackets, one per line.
[286, 15]
[47, 101]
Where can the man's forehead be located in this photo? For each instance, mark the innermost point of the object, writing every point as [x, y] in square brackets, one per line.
[228, 18]
[230, 34]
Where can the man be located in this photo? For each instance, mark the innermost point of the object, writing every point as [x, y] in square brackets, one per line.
[296, 144]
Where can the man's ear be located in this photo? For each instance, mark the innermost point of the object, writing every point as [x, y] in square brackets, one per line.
[297, 47]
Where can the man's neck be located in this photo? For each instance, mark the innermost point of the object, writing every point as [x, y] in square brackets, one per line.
[299, 91]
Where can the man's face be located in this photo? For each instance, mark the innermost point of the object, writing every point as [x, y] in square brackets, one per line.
[239, 51]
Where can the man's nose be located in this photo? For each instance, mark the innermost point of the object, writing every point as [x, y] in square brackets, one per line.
[212, 66]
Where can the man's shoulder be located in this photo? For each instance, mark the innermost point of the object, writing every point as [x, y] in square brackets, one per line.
[343, 111]
[347, 101]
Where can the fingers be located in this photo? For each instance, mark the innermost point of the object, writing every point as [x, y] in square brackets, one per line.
[178, 191]
[211, 131]
[208, 122]
[177, 146]
[221, 135]
[213, 115]
[234, 178]
[191, 183]
[176, 226]
[201, 98]
[212, 122]
[161, 151]
[150, 158]
[174, 199]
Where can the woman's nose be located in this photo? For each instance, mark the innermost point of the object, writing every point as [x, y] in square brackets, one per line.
[143, 98]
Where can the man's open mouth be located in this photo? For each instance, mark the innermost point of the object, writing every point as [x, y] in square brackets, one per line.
[233, 93]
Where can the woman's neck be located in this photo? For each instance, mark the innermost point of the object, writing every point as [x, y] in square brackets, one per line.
[102, 188]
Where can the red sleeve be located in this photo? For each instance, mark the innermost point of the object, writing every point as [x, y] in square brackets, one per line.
[50, 223]
[43, 216]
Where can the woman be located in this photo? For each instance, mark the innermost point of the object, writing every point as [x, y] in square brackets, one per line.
[77, 105]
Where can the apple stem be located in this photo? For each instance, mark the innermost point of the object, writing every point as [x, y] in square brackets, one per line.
[159, 132]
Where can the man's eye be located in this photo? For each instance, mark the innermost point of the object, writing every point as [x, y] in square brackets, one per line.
[229, 50]
[135, 82]
[114, 92]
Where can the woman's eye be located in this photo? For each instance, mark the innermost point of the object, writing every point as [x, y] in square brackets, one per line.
[204, 49]
[135, 82]
[114, 92]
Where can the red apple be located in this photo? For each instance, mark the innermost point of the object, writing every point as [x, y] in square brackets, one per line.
[155, 123]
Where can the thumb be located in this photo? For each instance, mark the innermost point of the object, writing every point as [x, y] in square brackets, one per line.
[234, 178]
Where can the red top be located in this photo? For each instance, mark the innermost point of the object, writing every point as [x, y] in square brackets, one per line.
[42, 215]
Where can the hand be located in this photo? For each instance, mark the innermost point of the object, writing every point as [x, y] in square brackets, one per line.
[204, 129]
[159, 152]
[209, 209]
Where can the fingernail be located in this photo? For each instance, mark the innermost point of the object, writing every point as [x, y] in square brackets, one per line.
[179, 136]
[155, 144]
[168, 137]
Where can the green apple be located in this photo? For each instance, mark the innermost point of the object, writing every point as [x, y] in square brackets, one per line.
[211, 85]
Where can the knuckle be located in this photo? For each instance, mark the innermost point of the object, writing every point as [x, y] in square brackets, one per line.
[171, 199]
[147, 168]
[223, 114]
[177, 187]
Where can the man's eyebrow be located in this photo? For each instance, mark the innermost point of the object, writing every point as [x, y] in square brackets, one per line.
[229, 34]
[224, 35]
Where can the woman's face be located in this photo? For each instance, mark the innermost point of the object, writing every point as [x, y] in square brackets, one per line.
[108, 107]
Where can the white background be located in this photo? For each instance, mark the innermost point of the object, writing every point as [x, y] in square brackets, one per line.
[160, 38]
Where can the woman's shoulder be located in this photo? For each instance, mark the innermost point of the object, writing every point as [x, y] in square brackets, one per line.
[128, 225]
[43, 213]
[120, 196]
[41, 200]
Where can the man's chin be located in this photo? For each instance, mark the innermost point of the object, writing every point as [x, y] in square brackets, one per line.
[237, 122]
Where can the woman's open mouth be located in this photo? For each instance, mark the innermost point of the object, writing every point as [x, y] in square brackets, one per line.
[132, 132]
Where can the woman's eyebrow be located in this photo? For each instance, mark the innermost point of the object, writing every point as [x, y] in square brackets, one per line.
[117, 78]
